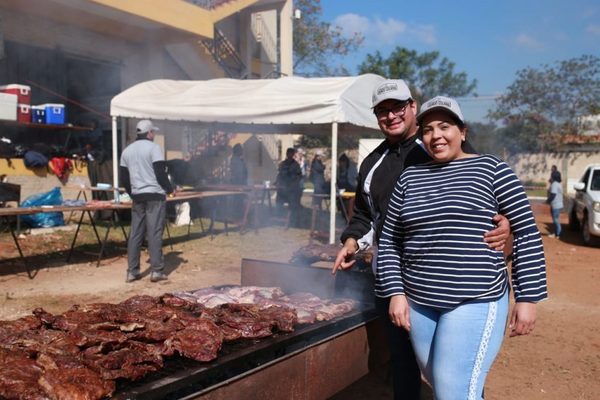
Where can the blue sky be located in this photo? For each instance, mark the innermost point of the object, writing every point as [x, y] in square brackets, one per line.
[489, 40]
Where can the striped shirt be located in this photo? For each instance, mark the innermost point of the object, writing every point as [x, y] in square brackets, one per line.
[431, 248]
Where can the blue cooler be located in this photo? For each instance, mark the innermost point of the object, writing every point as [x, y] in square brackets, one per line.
[38, 114]
[55, 114]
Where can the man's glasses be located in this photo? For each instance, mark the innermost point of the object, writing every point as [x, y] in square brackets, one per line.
[398, 110]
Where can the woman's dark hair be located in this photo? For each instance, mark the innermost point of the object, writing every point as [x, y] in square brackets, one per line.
[458, 122]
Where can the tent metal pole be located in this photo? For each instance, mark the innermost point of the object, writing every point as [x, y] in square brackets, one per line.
[115, 159]
[333, 188]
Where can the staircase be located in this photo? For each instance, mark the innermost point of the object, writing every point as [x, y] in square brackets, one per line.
[225, 54]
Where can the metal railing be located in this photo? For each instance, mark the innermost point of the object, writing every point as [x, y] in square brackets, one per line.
[225, 54]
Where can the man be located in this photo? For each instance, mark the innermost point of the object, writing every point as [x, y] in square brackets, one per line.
[237, 166]
[554, 175]
[395, 111]
[144, 175]
[289, 176]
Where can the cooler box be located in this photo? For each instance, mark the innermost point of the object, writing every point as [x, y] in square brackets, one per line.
[38, 114]
[24, 113]
[55, 114]
[22, 91]
[8, 106]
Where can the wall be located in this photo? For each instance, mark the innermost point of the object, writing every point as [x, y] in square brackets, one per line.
[41, 180]
[536, 167]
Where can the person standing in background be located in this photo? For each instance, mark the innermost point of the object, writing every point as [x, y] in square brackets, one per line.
[288, 180]
[300, 158]
[237, 166]
[555, 200]
[144, 176]
[347, 176]
[554, 173]
[317, 177]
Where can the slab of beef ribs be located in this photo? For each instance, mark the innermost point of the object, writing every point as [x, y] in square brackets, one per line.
[131, 360]
[9, 329]
[200, 341]
[19, 376]
[308, 307]
[251, 321]
[213, 297]
[100, 316]
[66, 377]
[36, 341]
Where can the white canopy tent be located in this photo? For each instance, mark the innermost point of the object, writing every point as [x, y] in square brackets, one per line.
[285, 105]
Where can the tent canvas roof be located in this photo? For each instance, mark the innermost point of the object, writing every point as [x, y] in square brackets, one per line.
[284, 105]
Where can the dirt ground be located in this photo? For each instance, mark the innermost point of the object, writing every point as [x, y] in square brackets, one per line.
[560, 360]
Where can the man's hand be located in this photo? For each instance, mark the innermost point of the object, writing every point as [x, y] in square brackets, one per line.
[176, 190]
[399, 312]
[497, 238]
[522, 319]
[344, 259]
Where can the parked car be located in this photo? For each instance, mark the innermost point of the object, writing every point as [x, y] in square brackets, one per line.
[584, 213]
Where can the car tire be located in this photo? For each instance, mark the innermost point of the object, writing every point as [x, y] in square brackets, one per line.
[573, 222]
[588, 238]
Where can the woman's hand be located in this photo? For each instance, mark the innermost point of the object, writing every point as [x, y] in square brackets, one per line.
[522, 319]
[399, 312]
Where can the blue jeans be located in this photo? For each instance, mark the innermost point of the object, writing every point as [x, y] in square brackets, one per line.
[556, 220]
[455, 348]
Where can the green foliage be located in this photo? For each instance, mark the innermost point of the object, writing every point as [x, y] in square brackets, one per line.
[542, 105]
[427, 74]
[315, 42]
[484, 138]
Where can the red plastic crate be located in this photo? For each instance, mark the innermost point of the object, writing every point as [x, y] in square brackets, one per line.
[23, 113]
[23, 92]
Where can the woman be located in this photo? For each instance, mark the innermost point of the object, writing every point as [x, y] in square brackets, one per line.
[447, 288]
[347, 175]
[317, 177]
[555, 199]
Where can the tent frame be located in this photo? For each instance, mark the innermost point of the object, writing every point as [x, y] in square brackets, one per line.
[296, 105]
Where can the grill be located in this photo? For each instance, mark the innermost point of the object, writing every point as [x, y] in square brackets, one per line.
[247, 363]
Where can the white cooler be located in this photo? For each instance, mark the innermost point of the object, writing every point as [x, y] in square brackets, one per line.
[8, 106]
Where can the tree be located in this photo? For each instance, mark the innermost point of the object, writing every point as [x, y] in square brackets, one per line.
[543, 105]
[484, 138]
[426, 74]
[316, 42]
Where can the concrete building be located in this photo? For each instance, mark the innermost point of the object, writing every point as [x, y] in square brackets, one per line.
[81, 53]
